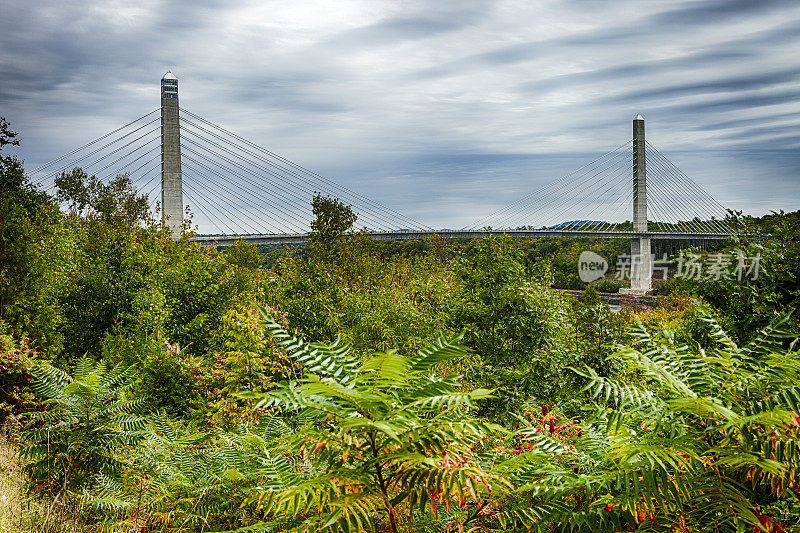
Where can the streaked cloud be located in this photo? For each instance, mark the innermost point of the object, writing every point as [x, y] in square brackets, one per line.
[444, 111]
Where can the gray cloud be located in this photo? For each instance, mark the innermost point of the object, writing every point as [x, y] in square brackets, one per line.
[444, 111]
[701, 12]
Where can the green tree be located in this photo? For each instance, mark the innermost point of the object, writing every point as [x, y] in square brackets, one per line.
[767, 252]
[114, 203]
[332, 219]
[26, 219]
[244, 255]
[516, 327]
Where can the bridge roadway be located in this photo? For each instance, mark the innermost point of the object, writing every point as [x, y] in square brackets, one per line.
[296, 238]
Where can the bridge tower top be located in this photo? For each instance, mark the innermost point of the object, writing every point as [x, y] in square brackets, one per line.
[639, 176]
[171, 178]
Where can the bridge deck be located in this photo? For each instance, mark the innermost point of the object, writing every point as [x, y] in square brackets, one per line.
[295, 238]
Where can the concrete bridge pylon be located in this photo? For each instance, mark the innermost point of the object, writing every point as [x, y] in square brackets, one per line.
[171, 180]
[641, 260]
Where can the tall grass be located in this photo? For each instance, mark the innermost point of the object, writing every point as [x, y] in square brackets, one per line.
[22, 511]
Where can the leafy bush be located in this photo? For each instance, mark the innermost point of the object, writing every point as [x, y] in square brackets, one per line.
[609, 285]
[519, 329]
[16, 361]
[245, 358]
[166, 382]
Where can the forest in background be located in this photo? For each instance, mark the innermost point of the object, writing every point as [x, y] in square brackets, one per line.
[150, 384]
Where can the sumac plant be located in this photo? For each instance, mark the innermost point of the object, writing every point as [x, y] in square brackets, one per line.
[85, 424]
[709, 442]
[390, 438]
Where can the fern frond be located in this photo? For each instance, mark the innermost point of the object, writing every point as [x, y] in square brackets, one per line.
[440, 350]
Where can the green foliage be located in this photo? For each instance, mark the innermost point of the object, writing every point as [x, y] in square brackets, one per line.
[7, 136]
[16, 360]
[26, 219]
[245, 359]
[597, 332]
[244, 255]
[561, 256]
[373, 303]
[183, 479]
[115, 203]
[716, 430]
[87, 419]
[608, 285]
[751, 303]
[167, 383]
[514, 325]
[383, 428]
[332, 219]
[590, 297]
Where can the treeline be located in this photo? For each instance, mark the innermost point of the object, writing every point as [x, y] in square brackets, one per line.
[155, 385]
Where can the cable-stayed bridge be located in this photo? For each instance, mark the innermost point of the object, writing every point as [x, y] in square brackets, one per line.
[237, 189]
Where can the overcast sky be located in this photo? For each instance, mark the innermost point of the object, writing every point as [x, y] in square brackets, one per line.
[442, 110]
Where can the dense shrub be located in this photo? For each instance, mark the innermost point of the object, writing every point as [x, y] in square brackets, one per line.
[17, 359]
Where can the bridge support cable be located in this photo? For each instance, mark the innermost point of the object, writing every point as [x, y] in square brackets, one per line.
[122, 169]
[41, 168]
[211, 220]
[616, 209]
[577, 213]
[142, 186]
[118, 170]
[612, 204]
[676, 202]
[127, 150]
[49, 185]
[687, 207]
[669, 212]
[280, 205]
[310, 177]
[187, 193]
[293, 175]
[696, 210]
[284, 198]
[80, 162]
[702, 203]
[225, 212]
[566, 201]
[598, 198]
[522, 204]
[238, 203]
[256, 210]
[259, 172]
[678, 172]
[657, 214]
[548, 206]
[300, 196]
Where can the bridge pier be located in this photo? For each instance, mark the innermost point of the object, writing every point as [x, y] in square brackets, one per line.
[641, 267]
[641, 259]
[171, 181]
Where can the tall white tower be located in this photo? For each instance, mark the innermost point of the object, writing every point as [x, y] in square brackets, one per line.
[171, 184]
